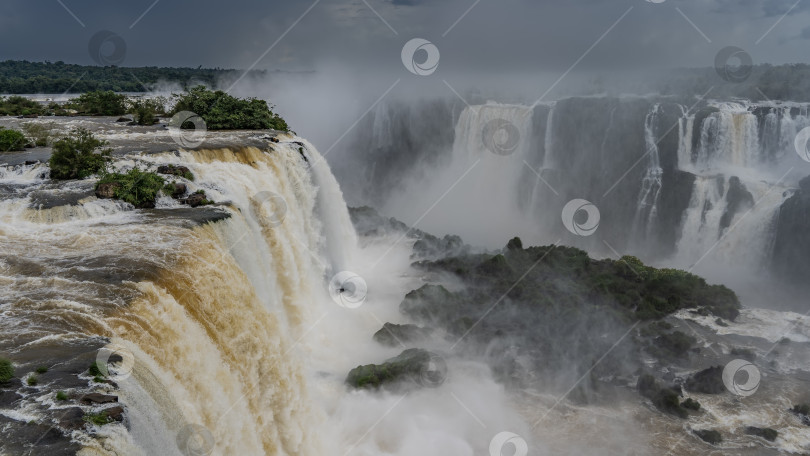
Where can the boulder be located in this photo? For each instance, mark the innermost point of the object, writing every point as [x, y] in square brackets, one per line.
[709, 436]
[393, 335]
[177, 190]
[175, 170]
[71, 419]
[107, 190]
[97, 398]
[195, 199]
[412, 366]
[803, 412]
[738, 200]
[766, 433]
[663, 398]
[124, 119]
[115, 413]
[707, 381]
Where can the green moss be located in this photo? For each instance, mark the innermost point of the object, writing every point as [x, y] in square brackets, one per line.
[32, 380]
[99, 419]
[139, 188]
[61, 396]
[409, 365]
[41, 370]
[6, 370]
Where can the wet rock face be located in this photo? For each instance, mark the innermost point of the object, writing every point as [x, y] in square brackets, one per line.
[708, 381]
[107, 190]
[411, 368]
[738, 200]
[791, 251]
[394, 335]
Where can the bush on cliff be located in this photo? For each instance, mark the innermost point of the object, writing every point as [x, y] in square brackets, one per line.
[221, 111]
[139, 188]
[78, 156]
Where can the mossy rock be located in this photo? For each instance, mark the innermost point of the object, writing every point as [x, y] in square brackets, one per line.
[666, 399]
[412, 366]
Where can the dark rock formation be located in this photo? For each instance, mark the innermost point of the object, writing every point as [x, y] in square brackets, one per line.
[394, 335]
[791, 250]
[766, 433]
[97, 398]
[709, 436]
[803, 412]
[174, 170]
[738, 200]
[666, 399]
[413, 366]
[107, 190]
[707, 381]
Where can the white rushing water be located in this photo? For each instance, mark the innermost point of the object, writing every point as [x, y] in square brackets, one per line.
[231, 325]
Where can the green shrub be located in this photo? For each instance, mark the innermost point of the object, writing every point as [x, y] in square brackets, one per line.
[19, 106]
[37, 133]
[75, 156]
[99, 103]
[41, 370]
[94, 370]
[146, 110]
[221, 111]
[6, 370]
[139, 188]
[61, 396]
[32, 380]
[11, 140]
[99, 419]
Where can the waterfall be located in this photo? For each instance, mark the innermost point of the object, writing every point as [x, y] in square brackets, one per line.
[479, 188]
[210, 312]
[686, 126]
[651, 184]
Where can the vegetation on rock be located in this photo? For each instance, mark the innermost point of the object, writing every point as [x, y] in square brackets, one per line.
[11, 140]
[139, 188]
[666, 399]
[6, 370]
[37, 133]
[146, 110]
[707, 381]
[221, 111]
[99, 103]
[393, 335]
[78, 156]
[410, 365]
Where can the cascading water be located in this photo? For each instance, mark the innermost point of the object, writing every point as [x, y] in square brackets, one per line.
[647, 204]
[478, 188]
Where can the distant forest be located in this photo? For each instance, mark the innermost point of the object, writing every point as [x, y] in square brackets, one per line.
[23, 77]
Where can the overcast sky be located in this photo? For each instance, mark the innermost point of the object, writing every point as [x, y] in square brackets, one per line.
[488, 35]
